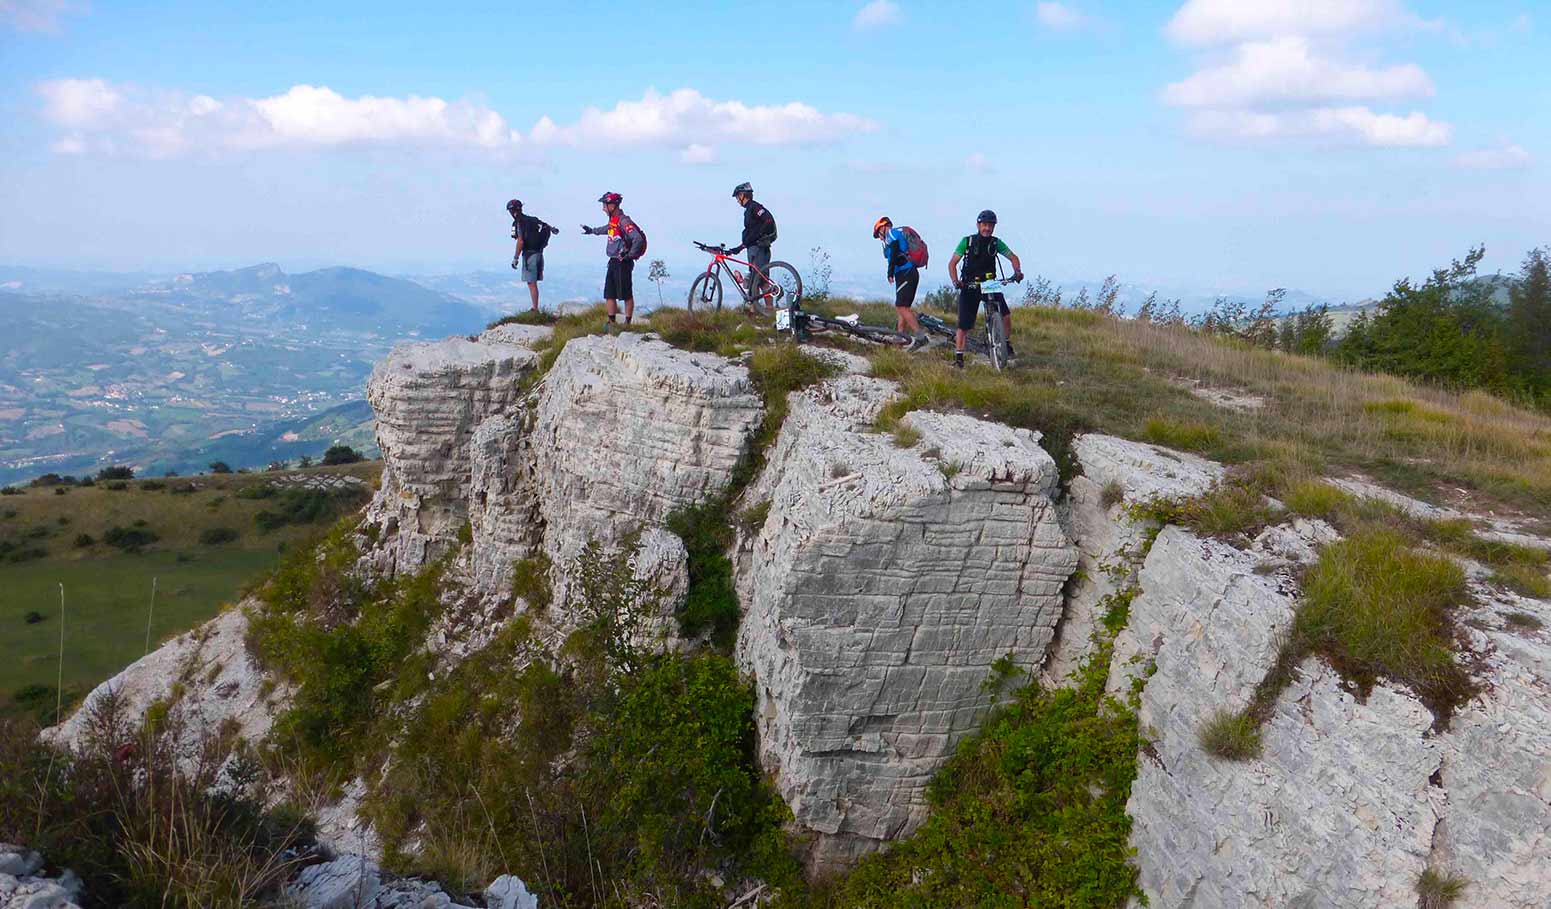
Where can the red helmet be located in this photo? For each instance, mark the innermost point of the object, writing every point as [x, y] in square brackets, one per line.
[606, 198]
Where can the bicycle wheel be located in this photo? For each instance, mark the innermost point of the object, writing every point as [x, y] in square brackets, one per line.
[787, 286]
[996, 343]
[706, 292]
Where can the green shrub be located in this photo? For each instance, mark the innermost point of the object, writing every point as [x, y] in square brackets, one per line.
[129, 539]
[152, 485]
[305, 506]
[1029, 811]
[1377, 608]
[215, 536]
[257, 491]
[116, 472]
[711, 605]
[1232, 735]
[341, 454]
[83, 540]
[531, 581]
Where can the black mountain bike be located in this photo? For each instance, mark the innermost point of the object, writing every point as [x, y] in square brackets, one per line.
[995, 337]
[780, 286]
[803, 325]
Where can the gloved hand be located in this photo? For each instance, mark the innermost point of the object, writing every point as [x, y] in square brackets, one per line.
[516, 262]
[586, 230]
[957, 284]
[1017, 276]
[735, 250]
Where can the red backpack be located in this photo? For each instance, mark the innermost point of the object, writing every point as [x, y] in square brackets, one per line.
[915, 247]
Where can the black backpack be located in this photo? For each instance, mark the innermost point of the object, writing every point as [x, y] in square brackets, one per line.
[538, 238]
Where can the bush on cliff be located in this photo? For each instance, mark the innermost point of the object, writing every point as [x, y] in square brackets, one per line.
[1030, 811]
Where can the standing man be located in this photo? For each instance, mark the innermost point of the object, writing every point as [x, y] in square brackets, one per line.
[979, 251]
[759, 231]
[532, 236]
[904, 275]
[626, 244]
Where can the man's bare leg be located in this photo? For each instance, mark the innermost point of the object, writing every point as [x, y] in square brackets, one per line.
[629, 310]
[533, 291]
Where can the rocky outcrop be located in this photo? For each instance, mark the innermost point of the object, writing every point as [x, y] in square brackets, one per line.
[626, 431]
[1116, 474]
[429, 399]
[24, 885]
[356, 882]
[1352, 797]
[883, 584]
[206, 678]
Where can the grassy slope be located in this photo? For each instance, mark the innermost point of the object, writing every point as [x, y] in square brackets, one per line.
[108, 592]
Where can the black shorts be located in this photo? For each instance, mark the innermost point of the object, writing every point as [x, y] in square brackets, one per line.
[969, 306]
[905, 284]
[617, 283]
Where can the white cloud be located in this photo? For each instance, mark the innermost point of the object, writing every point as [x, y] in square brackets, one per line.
[79, 103]
[695, 153]
[686, 116]
[1340, 125]
[1210, 22]
[1506, 156]
[1287, 70]
[37, 15]
[97, 117]
[1287, 73]
[876, 14]
[1058, 16]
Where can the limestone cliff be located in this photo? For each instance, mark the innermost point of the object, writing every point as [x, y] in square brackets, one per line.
[884, 580]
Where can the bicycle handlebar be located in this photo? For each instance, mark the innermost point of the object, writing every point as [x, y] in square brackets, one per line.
[706, 247]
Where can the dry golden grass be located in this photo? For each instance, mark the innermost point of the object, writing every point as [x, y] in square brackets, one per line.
[1316, 412]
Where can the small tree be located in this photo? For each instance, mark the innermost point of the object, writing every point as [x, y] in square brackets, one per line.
[220, 467]
[116, 472]
[657, 275]
[341, 454]
[304, 461]
[820, 272]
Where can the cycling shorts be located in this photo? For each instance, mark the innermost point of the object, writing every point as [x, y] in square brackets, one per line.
[969, 305]
[905, 284]
[617, 283]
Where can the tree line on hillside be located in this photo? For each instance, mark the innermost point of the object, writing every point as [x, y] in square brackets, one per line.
[1449, 329]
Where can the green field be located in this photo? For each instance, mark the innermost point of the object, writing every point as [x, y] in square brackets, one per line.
[107, 589]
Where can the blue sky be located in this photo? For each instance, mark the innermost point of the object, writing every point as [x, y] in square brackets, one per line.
[1233, 145]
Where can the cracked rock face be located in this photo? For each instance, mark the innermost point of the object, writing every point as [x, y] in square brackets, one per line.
[627, 430]
[429, 399]
[1351, 799]
[23, 885]
[883, 584]
[1109, 541]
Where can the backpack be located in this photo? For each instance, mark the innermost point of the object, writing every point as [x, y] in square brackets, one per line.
[915, 247]
[538, 238]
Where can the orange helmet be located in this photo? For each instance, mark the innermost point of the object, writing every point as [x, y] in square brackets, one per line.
[880, 224]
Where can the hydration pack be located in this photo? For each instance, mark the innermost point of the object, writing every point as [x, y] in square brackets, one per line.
[915, 247]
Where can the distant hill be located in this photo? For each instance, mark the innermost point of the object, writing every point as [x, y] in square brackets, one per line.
[337, 298]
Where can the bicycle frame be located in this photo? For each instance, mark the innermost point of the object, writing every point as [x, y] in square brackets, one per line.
[719, 262]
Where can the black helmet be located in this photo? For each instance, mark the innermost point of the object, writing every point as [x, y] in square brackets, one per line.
[986, 217]
[514, 205]
[744, 187]
[616, 198]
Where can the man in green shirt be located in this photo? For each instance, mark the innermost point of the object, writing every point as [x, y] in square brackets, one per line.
[978, 252]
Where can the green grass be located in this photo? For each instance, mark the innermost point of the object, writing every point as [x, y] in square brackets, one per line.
[1193, 435]
[1316, 499]
[526, 317]
[1437, 890]
[108, 591]
[106, 604]
[1233, 735]
[1377, 607]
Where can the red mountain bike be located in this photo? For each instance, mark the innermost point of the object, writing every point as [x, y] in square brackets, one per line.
[780, 287]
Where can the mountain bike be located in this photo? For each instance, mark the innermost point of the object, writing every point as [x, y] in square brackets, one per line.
[996, 349]
[935, 326]
[803, 325]
[779, 287]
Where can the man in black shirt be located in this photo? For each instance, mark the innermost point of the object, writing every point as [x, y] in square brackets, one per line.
[532, 236]
[759, 231]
